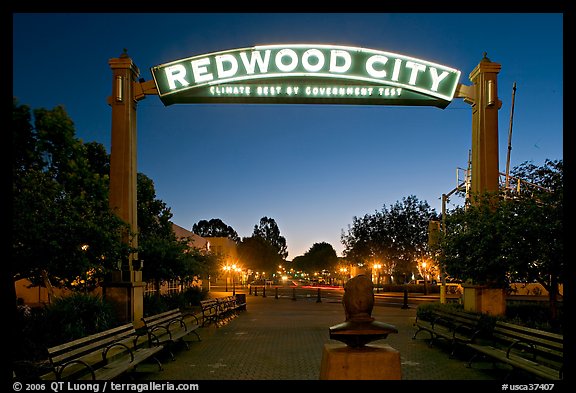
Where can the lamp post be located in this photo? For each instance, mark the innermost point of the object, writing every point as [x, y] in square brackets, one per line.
[227, 270]
[377, 267]
[424, 275]
[344, 275]
[235, 270]
[233, 280]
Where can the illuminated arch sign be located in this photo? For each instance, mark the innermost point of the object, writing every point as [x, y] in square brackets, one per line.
[304, 74]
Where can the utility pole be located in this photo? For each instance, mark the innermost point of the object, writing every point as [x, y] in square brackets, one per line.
[507, 182]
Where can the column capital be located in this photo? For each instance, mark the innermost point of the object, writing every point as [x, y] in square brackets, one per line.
[124, 63]
[485, 66]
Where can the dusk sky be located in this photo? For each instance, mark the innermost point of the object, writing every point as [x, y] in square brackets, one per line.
[311, 168]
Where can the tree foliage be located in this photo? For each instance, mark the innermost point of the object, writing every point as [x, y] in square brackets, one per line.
[165, 257]
[62, 224]
[215, 227]
[519, 240]
[268, 230]
[321, 256]
[396, 237]
[257, 254]
[265, 249]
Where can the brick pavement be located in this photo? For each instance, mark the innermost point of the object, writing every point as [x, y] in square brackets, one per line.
[283, 339]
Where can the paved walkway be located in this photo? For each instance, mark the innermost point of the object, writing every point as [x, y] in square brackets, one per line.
[283, 339]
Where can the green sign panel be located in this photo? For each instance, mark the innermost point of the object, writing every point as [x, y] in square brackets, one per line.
[297, 74]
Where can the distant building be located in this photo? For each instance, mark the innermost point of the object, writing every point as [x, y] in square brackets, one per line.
[38, 295]
[224, 247]
[227, 253]
[196, 241]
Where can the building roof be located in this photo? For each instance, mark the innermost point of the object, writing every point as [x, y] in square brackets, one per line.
[196, 241]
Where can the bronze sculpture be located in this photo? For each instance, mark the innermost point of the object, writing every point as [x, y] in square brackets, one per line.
[359, 328]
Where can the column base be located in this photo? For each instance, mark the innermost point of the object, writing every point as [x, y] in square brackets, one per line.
[127, 297]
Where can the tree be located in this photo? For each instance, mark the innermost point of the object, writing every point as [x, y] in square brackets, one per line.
[198, 263]
[63, 228]
[215, 228]
[269, 231]
[164, 255]
[321, 256]
[520, 239]
[395, 237]
[258, 254]
[472, 244]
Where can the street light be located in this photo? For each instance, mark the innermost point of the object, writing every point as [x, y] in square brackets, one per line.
[227, 270]
[424, 275]
[344, 274]
[377, 266]
[235, 270]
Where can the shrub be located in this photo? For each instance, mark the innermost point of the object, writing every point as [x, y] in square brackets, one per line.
[66, 319]
[190, 297]
[411, 288]
[193, 296]
[77, 316]
[425, 310]
[532, 314]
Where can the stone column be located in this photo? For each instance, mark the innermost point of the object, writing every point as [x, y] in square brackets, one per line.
[124, 288]
[485, 106]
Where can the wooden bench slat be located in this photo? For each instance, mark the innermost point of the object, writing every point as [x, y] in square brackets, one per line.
[217, 310]
[534, 351]
[170, 327]
[456, 327]
[101, 355]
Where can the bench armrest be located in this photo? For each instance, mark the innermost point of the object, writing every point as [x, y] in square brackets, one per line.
[518, 343]
[116, 344]
[152, 334]
[441, 321]
[137, 337]
[179, 320]
[60, 369]
[193, 315]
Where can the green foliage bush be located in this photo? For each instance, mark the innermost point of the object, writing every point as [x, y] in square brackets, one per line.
[534, 315]
[529, 314]
[425, 310]
[66, 319]
[79, 315]
[411, 288]
[190, 297]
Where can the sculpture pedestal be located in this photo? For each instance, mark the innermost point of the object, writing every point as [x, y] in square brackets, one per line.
[370, 362]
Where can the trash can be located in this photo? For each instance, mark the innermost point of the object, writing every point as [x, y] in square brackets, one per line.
[241, 299]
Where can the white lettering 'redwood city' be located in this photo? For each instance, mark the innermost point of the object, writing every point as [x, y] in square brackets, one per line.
[323, 61]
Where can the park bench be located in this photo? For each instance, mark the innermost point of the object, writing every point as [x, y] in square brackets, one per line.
[231, 305]
[227, 308]
[458, 328]
[240, 302]
[169, 327]
[537, 352]
[101, 356]
[222, 309]
[210, 311]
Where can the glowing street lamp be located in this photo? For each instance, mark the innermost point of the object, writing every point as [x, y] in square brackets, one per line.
[426, 270]
[235, 270]
[227, 270]
[344, 274]
[377, 267]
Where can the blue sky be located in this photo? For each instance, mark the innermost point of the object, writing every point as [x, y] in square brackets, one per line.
[311, 168]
